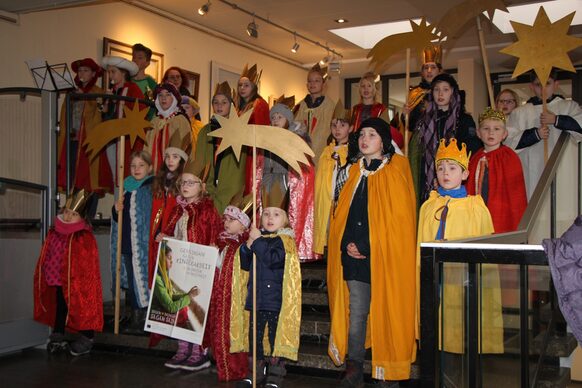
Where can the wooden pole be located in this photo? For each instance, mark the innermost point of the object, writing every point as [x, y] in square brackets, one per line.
[120, 174]
[255, 258]
[543, 126]
[407, 115]
[485, 63]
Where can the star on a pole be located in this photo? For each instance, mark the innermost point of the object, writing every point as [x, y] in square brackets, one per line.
[543, 46]
[132, 125]
[235, 133]
[459, 15]
[417, 39]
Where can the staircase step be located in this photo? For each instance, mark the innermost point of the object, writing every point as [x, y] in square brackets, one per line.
[316, 270]
[554, 377]
[316, 297]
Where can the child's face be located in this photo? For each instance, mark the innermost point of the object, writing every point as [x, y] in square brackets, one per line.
[340, 130]
[442, 93]
[273, 219]
[429, 70]
[71, 216]
[245, 88]
[506, 103]
[221, 105]
[278, 120]
[140, 59]
[168, 261]
[165, 99]
[116, 76]
[172, 161]
[191, 187]
[85, 74]
[233, 226]
[370, 143]
[492, 133]
[367, 89]
[175, 78]
[314, 83]
[450, 174]
[139, 168]
[551, 86]
[189, 109]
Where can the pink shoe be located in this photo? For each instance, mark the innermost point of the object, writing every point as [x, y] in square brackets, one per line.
[183, 353]
[197, 360]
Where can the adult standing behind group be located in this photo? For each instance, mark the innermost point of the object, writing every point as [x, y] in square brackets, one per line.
[120, 71]
[315, 111]
[92, 175]
[247, 98]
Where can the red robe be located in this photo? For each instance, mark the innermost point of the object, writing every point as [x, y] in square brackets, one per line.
[301, 210]
[229, 366]
[506, 198]
[204, 223]
[81, 282]
[378, 110]
[161, 208]
[259, 116]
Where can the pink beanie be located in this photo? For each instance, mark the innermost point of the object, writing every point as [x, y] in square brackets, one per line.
[237, 214]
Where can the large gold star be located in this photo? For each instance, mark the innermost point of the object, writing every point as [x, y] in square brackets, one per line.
[459, 15]
[235, 133]
[543, 46]
[132, 125]
[417, 39]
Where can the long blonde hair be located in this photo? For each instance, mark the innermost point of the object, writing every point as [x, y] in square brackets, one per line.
[370, 77]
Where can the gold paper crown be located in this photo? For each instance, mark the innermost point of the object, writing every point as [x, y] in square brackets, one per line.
[223, 88]
[432, 53]
[77, 201]
[244, 203]
[287, 101]
[189, 168]
[341, 113]
[182, 144]
[321, 70]
[275, 196]
[492, 114]
[251, 73]
[452, 152]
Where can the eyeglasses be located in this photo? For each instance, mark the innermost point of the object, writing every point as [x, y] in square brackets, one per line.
[175, 77]
[506, 102]
[189, 183]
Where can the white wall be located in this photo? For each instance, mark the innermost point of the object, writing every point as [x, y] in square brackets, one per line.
[70, 34]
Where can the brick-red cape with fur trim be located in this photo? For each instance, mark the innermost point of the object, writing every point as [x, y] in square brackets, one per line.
[81, 280]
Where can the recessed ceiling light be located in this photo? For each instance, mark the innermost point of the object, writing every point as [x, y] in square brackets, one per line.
[526, 14]
[341, 20]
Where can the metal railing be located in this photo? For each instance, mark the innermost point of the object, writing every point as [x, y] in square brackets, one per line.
[44, 220]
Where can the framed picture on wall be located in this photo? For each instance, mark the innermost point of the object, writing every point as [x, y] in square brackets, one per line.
[219, 73]
[193, 83]
[121, 49]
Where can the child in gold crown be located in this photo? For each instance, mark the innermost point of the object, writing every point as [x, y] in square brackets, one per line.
[450, 214]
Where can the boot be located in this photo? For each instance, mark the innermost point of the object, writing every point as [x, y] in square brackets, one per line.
[276, 373]
[261, 375]
[184, 350]
[354, 377]
[81, 345]
[136, 322]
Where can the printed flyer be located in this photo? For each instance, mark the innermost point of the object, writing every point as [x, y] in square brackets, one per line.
[182, 288]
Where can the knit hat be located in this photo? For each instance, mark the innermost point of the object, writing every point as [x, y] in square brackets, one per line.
[87, 62]
[121, 63]
[284, 111]
[170, 88]
[383, 129]
[186, 100]
[444, 77]
[238, 214]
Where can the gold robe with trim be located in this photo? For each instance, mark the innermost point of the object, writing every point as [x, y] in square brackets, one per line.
[467, 217]
[392, 219]
[287, 336]
[324, 191]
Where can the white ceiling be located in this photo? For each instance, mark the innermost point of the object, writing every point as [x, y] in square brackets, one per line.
[313, 19]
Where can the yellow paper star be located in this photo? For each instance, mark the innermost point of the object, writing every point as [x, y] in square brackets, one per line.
[417, 39]
[235, 133]
[458, 16]
[132, 125]
[543, 46]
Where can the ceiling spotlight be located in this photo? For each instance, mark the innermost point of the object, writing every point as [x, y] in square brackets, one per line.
[341, 20]
[324, 60]
[295, 45]
[253, 29]
[204, 9]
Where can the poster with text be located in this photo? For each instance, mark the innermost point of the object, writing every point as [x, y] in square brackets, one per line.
[182, 287]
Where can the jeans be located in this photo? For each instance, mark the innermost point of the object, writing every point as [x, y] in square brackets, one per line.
[359, 310]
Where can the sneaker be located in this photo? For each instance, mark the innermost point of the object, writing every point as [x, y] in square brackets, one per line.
[184, 351]
[195, 363]
[57, 343]
[82, 345]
